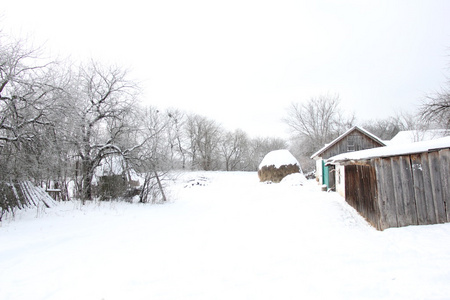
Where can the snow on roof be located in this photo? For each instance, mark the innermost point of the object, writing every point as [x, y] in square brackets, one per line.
[278, 158]
[411, 136]
[393, 150]
[327, 146]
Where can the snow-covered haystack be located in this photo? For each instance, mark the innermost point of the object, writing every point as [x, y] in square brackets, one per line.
[276, 165]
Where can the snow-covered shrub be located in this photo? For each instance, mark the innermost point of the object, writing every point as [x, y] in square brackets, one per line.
[294, 179]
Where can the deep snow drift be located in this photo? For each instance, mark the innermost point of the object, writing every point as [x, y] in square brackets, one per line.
[230, 237]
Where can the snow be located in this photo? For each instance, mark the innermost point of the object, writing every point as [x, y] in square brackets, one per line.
[411, 136]
[278, 158]
[294, 179]
[393, 150]
[230, 238]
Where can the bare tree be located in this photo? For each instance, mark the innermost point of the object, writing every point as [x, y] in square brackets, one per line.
[260, 146]
[385, 128]
[436, 108]
[176, 138]
[150, 158]
[234, 148]
[27, 96]
[204, 137]
[317, 121]
[96, 109]
[388, 127]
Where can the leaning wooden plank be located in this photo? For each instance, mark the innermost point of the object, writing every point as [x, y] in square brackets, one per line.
[35, 195]
[435, 172]
[27, 195]
[41, 195]
[409, 202]
[419, 190]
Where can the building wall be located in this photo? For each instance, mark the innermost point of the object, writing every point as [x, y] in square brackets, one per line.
[400, 190]
[340, 180]
[414, 189]
[354, 141]
[361, 191]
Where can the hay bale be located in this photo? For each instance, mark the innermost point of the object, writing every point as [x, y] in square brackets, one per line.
[276, 165]
[271, 173]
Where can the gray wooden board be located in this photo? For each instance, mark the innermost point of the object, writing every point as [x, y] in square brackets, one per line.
[388, 187]
[409, 202]
[445, 179]
[419, 190]
[382, 196]
[398, 191]
[428, 187]
[435, 172]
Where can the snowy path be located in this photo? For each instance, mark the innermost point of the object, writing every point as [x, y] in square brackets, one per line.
[234, 238]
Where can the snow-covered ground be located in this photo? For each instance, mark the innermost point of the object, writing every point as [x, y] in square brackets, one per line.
[227, 237]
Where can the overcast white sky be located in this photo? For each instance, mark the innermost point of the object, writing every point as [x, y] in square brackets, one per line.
[241, 62]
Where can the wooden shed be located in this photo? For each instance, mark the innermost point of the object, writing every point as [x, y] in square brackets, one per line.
[398, 185]
[354, 139]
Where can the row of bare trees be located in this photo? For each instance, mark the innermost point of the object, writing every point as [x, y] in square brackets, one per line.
[195, 142]
[59, 122]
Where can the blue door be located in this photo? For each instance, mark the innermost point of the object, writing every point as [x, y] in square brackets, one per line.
[325, 174]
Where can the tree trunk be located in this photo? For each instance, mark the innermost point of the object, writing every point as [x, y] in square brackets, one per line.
[87, 175]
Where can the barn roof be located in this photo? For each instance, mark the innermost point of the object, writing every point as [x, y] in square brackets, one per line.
[389, 151]
[335, 141]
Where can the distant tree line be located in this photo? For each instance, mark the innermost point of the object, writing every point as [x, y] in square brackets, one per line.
[320, 120]
[59, 121]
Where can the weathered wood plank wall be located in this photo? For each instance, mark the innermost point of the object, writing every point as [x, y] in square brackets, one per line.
[360, 141]
[402, 190]
[362, 194]
[445, 179]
